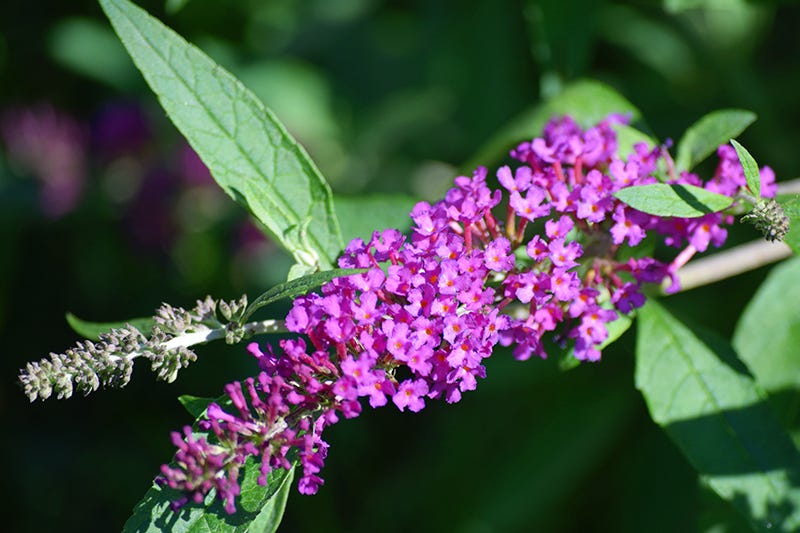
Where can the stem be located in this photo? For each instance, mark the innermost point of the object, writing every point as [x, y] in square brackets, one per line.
[684, 257]
[730, 263]
[789, 187]
[201, 337]
[737, 260]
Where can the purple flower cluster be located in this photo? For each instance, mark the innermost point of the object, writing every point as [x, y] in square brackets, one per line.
[419, 322]
[286, 406]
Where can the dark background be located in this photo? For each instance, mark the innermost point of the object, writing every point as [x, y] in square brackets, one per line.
[388, 97]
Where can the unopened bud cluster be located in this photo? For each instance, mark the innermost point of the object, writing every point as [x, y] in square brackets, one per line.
[108, 362]
[769, 218]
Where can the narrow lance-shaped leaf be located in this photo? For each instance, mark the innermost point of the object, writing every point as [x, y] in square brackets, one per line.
[750, 167]
[705, 399]
[297, 286]
[669, 200]
[92, 330]
[246, 148]
[704, 136]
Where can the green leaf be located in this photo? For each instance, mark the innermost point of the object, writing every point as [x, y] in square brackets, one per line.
[92, 330]
[750, 167]
[297, 286]
[708, 133]
[587, 101]
[685, 201]
[359, 216]
[791, 206]
[767, 337]
[257, 507]
[705, 399]
[271, 513]
[246, 148]
[195, 405]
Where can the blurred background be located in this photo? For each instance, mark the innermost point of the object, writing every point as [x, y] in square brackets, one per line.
[106, 212]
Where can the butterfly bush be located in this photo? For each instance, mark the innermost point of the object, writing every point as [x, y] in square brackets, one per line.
[535, 262]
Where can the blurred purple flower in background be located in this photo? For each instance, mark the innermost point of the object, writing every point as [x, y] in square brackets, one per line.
[51, 146]
[120, 128]
[191, 169]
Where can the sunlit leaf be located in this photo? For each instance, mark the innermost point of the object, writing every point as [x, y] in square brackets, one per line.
[791, 206]
[257, 506]
[685, 201]
[750, 167]
[705, 399]
[703, 137]
[246, 148]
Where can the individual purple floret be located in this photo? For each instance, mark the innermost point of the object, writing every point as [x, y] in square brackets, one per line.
[419, 323]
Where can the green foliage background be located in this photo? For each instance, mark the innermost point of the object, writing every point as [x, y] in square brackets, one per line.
[388, 97]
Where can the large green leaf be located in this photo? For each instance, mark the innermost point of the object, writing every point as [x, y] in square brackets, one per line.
[587, 101]
[359, 216]
[707, 134]
[92, 330]
[257, 506]
[704, 398]
[271, 513]
[249, 152]
[767, 338]
[662, 199]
